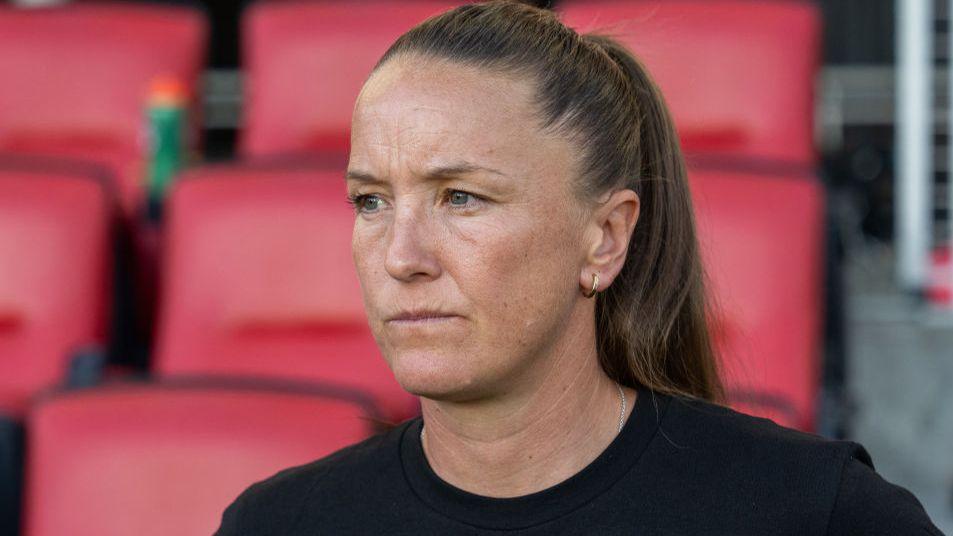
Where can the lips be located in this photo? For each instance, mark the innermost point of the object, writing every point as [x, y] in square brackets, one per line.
[421, 316]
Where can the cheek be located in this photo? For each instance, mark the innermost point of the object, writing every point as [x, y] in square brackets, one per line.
[367, 251]
[518, 275]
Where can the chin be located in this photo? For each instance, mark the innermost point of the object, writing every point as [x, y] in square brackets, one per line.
[435, 375]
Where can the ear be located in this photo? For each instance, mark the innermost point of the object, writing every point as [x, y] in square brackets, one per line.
[610, 230]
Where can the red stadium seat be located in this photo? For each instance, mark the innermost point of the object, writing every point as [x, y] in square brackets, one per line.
[259, 281]
[161, 460]
[76, 79]
[305, 63]
[762, 242]
[55, 273]
[738, 75]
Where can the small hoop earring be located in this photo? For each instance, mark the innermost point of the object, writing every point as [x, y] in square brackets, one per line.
[595, 285]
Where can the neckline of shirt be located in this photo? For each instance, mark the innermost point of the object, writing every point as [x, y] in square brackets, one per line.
[545, 505]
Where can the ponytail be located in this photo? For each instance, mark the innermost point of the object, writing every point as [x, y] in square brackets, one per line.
[652, 326]
[651, 323]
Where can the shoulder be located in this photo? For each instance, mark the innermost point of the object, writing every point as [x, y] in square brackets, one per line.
[725, 432]
[868, 504]
[831, 484]
[274, 504]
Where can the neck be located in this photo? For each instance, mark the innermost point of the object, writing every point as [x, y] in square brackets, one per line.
[534, 437]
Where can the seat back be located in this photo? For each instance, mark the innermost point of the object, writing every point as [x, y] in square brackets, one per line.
[738, 75]
[55, 273]
[160, 460]
[259, 281]
[78, 78]
[762, 242]
[305, 63]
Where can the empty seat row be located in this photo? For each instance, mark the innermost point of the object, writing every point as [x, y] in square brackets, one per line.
[738, 75]
[167, 458]
[258, 281]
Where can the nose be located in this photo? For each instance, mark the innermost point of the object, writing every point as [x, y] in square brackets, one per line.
[411, 247]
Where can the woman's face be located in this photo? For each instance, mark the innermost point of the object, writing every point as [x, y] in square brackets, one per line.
[466, 213]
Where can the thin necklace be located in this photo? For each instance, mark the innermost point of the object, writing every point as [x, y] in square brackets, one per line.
[621, 414]
[621, 411]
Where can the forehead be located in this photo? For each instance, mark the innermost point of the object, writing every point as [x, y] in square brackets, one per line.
[417, 110]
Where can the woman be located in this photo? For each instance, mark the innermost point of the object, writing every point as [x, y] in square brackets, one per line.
[526, 249]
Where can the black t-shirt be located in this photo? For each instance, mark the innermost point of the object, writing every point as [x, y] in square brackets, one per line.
[678, 467]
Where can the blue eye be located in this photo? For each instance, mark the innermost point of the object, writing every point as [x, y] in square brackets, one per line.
[365, 203]
[372, 203]
[459, 198]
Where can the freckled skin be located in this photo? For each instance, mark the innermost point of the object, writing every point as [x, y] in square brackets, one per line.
[508, 262]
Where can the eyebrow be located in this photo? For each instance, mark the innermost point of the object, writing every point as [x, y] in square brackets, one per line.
[437, 173]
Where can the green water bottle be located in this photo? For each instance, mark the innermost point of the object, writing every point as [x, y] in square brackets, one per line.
[166, 115]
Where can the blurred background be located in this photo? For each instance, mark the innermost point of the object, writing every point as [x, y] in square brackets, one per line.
[179, 315]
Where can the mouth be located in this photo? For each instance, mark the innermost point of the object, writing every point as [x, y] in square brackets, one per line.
[421, 318]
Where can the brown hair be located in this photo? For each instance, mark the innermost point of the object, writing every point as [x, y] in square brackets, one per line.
[651, 323]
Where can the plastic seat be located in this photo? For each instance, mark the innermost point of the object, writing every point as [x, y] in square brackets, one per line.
[762, 243]
[259, 281]
[55, 273]
[737, 75]
[305, 63]
[168, 459]
[79, 75]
